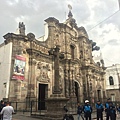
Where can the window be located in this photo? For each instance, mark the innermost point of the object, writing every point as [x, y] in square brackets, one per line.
[111, 80]
[113, 97]
[72, 51]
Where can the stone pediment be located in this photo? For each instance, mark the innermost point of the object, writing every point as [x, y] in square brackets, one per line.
[82, 32]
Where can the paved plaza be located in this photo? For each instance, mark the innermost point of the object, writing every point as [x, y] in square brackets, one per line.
[27, 117]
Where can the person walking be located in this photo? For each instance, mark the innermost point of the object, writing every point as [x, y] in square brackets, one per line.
[99, 110]
[118, 110]
[79, 111]
[7, 112]
[87, 110]
[107, 108]
[2, 105]
[112, 111]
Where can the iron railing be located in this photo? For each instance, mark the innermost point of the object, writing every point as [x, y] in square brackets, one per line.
[40, 108]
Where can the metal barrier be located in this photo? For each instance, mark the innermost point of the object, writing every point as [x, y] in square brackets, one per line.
[40, 107]
[34, 107]
[20, 106]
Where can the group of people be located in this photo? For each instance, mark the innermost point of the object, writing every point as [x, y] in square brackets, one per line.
[109, 108]
[6, 111]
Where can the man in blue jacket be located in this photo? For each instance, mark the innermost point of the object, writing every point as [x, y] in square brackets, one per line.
[112, 112]
[107, 108]
[99, 108]
[87, 110]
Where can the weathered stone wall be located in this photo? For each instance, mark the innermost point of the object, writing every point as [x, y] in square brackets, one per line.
[80, 70]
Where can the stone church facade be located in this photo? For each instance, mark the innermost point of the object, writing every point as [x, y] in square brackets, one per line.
[79, 77]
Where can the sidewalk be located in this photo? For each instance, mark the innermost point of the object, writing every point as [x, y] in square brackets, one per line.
[27, 114]
[75, 115]
[93, 116]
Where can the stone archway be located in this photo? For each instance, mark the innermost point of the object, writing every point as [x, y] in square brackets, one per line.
[77, 90]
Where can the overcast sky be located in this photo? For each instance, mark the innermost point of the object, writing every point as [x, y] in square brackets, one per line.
[87, 13]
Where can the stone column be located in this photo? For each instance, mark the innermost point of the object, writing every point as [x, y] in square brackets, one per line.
[71, 83]
[57, 100]
[73, 99]
[31, 79]
[66, 83]
[56, 69]
[71, 80]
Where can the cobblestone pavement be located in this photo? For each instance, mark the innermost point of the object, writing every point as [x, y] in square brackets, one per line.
[24, 117]
[94, 117]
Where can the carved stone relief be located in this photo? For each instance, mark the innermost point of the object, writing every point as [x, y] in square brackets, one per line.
[44, 69]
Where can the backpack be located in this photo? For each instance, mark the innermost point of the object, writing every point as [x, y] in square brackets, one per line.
[87, 108]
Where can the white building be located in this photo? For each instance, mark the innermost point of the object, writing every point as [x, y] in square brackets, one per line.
[113, 82]
[5, 66]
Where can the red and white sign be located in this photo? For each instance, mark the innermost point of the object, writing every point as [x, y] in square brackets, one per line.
[19, 67]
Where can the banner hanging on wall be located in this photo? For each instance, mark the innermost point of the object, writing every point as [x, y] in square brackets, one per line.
[19, 67]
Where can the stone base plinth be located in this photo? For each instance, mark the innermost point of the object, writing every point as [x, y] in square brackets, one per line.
[72, 105]
[55, 107]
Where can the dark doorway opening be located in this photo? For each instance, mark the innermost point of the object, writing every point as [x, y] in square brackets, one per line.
[98, 92]
[42, 94]
[76, 91]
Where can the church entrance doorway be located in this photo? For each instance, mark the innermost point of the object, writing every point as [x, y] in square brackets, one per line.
[77, 91]
[42, 94]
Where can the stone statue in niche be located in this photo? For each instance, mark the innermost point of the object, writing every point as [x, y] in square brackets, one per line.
[66, 82]
[102, 62]
[81, 54]
[44, 69]
[90, 86]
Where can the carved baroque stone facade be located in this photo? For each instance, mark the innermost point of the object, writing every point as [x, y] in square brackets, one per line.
[80, 77]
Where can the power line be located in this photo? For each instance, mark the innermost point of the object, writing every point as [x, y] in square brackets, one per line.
[109, 60]
[104, 20]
